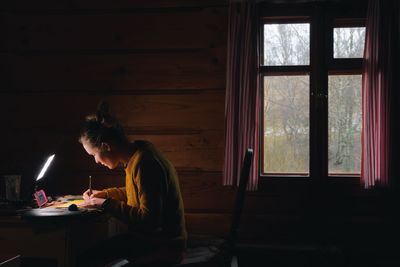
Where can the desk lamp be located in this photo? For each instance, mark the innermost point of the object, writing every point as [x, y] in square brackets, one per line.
[40, 195]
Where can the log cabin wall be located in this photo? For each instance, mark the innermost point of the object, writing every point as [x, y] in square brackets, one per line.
[161, 65]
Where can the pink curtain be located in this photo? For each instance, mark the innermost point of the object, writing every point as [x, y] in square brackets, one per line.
[242, 97]
[377, 85]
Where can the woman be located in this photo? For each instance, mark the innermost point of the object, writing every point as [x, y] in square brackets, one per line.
[150, 203]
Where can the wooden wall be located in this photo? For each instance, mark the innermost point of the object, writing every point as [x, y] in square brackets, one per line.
[161, 66]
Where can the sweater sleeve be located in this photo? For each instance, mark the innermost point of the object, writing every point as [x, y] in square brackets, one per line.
[148, 177]
[116, 193]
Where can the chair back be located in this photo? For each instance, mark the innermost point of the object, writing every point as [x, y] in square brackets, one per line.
[239, 201]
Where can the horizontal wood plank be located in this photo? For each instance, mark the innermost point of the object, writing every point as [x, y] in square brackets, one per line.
[200, 69]
[64, 113]
[203, 28]
[216, 224]
[26, 5]
[202, 151]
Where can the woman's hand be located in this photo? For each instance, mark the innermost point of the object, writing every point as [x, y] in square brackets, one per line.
[95, 194]
[94, 202]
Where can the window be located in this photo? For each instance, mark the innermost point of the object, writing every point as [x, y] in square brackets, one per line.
[286, 124]
[286, 44]
[348, 42]
[311, 76]
[344, 130]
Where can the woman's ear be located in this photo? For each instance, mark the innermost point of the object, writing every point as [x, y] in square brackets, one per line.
[105, 147]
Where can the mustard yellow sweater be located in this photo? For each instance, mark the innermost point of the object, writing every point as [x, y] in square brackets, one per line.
[151, 201]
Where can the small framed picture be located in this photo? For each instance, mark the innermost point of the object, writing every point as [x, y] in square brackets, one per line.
[41, 198]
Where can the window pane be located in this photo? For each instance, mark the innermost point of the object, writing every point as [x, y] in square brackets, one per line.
[348, 42]
[287, 44]
[344, 124]
[286, 124]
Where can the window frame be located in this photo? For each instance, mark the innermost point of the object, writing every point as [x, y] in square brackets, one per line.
[323, 19]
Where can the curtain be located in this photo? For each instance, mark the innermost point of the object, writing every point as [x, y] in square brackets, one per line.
[242, 97]
[378, 86]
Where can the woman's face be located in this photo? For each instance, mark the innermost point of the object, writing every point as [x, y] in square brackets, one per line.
[102, 155]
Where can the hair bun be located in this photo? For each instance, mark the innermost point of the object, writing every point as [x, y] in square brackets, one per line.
[104, 116]
[103, 107]
[102, 126]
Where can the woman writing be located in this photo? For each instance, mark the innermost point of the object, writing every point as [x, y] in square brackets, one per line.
[150, 203]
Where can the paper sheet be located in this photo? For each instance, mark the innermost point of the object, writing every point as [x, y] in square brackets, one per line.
[77, 202]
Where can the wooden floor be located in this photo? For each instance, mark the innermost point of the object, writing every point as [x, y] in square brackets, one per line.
[306, 256]
[314, 256]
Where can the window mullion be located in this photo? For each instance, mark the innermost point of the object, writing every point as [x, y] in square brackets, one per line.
[318, 99]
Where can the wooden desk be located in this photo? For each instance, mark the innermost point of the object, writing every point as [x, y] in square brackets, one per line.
[59, 237]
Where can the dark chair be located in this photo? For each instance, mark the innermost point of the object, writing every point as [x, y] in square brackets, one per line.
[10, 261]
[211, 251]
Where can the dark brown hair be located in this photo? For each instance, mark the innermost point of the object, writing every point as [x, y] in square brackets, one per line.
[102, 127]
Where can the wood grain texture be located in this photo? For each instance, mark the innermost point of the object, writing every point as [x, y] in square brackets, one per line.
[65, 112]
[184, 151]
[198, 69]
[112, 33]
[108, 5]
[159, 64]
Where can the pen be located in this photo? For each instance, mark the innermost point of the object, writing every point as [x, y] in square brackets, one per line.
[90, 185]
